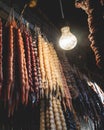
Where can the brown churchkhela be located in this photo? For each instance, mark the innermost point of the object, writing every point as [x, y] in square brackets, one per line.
[66, 90]
[22, 69]
[28, 57]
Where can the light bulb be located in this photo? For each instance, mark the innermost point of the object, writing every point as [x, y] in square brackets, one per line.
[32, 3]
[67, 40]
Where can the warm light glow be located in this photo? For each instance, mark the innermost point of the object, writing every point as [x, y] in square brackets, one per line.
[67, 41]
[32, 3]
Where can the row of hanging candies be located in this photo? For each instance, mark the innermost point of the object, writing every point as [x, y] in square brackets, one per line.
[31, 77]
[87, 95]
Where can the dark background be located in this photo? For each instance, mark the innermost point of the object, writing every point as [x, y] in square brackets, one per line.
[82, 55]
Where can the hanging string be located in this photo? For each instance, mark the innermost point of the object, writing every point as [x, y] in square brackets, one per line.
[61, 8]
[31, 4]
[22, 12]
[23, 9]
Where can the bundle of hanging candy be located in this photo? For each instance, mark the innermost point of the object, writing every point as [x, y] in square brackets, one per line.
[31, 75]
[88, 98]
[37, 88]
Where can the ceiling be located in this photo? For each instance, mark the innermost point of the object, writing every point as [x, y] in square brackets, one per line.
[82, 55]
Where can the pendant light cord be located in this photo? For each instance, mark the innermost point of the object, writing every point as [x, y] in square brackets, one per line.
[61, 8]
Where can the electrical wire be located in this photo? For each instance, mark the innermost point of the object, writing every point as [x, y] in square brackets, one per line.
[61, 8]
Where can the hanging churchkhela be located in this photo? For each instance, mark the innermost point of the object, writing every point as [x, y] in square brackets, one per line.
[51, 115]
[89, 102]
[24, 83]
[36, 87]
[26, 36]
[53, 80]
[8, 55]
[94, 10]
[38, 77]
[34, 67]
[32, 72]
[54, 87]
